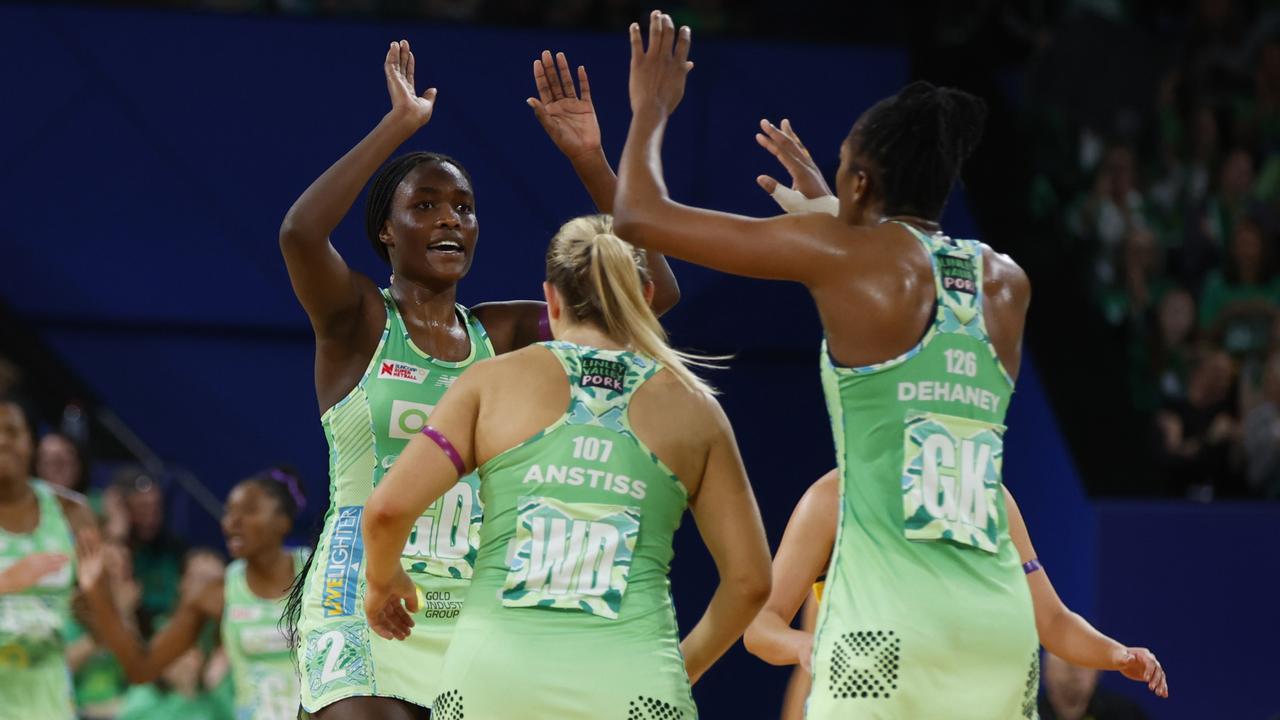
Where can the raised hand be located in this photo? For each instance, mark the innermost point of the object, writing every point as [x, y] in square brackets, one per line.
[806, 177]
[658, 73]
[569, 118]
[405, 100]
[385, 606]
[91, 559]
[1141, 665]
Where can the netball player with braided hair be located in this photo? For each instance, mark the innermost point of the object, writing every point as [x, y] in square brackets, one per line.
[588, 449]
[926, 611]
[385, 356]
[246, 602]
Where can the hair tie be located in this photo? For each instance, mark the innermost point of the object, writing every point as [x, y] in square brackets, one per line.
[291, 484]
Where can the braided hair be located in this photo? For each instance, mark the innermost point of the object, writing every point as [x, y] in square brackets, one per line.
[383, 188]
[913, 144]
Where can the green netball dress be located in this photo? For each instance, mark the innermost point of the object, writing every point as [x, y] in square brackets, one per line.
[34, 679]
[339, 656]
[570, 614]
[926, 612]
[262, 669]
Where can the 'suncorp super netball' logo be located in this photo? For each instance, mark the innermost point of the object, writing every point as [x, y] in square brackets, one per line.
[408, 418]
[394, 370]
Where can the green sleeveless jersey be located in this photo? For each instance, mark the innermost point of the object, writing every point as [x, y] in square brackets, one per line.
[366, 432]
[262, 670]
[570, 611]
[926, 612]
[34, 679]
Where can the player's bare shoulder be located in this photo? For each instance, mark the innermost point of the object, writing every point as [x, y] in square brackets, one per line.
[1004, 281]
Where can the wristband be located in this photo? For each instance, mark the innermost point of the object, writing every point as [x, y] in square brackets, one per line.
[1031, 566]
[793, 201]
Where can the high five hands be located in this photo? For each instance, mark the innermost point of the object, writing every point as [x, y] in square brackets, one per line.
[658, 72]
[569, 118]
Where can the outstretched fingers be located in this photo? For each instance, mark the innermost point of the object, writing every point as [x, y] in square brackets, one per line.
[583, 84]
[541, 81]
[683, 41]
[566, 77]
[668, 37]
[409, 67]
[655, 33]
[552, 76]
[791, 133]
[637, 44]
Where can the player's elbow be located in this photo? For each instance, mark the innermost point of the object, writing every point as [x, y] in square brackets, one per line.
[634, 217]
[752, 587]
[764, 638]
[293, 231]
[380, 513]
[1049, 624]
[755, 640]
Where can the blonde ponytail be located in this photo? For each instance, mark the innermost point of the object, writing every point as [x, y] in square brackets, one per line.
[601, 278]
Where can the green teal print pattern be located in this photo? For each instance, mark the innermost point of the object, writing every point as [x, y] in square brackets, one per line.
[951, 479]
[599, 378]
[338, 656]
[571, 556]
[445, 540]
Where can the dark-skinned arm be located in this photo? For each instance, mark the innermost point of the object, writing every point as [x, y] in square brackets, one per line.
[329, 290]
[568, 116]
[143, 663]
[795, 248]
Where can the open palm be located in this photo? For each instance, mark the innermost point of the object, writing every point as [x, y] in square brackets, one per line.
[399, 67]
[568, 118]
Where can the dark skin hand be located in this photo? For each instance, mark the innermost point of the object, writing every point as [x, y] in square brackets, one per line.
[433, 203]
[853, 260]
[255, 527]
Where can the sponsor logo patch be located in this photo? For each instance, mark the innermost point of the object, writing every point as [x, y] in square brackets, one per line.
[342, 569]
[393, 370]
[408, 418]
[958, 274]
[607, 374]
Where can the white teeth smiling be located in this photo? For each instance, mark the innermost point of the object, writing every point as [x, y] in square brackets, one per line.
[445, 246]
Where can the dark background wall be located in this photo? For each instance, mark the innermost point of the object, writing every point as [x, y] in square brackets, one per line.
[146, 160]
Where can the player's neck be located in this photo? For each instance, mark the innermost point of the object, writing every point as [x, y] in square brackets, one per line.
[14, 490]
[426, 304]
[590, 336]
[929, 226]
[265, 567]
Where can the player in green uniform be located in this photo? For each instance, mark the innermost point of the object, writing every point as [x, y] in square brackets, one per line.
[588, 449]
[39, 529]
[247, 601]
[384, 357]
[926, 612]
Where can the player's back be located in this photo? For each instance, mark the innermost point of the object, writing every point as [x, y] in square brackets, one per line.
[584, 457]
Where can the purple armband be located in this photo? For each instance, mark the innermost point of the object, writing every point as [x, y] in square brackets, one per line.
[439, 439]
[1031, 566]
[544, 325]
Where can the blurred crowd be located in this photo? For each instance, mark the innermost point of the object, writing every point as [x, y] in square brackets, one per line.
[1169, 212]
[150, 568]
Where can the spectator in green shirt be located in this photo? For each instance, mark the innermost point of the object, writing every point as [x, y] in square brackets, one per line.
[1240, 299]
